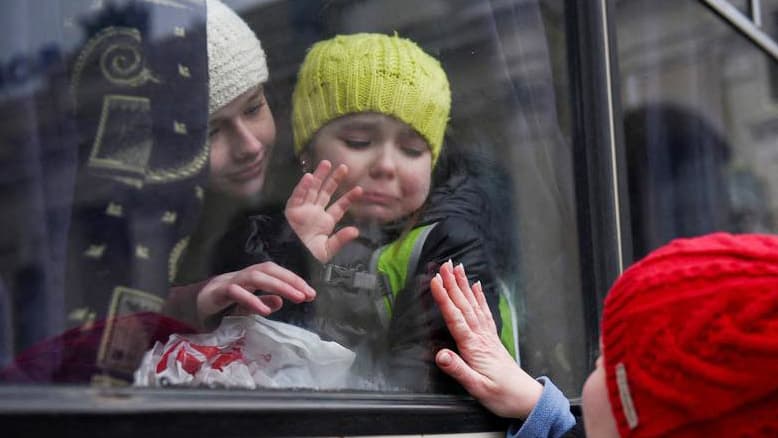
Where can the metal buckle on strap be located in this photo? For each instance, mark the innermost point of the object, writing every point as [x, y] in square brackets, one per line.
[341, 276]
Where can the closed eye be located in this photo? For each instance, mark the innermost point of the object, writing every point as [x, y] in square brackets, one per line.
[253, 109]
[413, 152]
[356, 143]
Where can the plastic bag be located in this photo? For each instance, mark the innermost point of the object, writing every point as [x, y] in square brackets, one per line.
[247, 352]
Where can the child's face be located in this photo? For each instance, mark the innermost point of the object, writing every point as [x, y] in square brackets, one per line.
[387, 158]
[241, 134]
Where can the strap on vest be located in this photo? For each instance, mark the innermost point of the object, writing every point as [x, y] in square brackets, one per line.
[388, 264]
[393, 263]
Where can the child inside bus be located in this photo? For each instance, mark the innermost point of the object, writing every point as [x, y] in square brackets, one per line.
[688, 348]
[369, 115]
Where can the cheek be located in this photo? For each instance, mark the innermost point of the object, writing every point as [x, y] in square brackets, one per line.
[357, 166]
[321, 150]
[217, 158]
[597, 415]
[264, 129]
[415, 184]
[353, 179]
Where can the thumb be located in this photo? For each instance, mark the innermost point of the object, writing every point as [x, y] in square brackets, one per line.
[339, 239]
[274, 302]
[453, 365]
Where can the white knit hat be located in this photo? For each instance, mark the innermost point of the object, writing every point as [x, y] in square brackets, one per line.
[236, 61]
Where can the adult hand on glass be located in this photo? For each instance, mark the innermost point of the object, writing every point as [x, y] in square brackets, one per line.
[238, 288]
[313, 219]
[483, 366]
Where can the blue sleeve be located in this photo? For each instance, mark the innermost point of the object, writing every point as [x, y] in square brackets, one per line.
[551, 416]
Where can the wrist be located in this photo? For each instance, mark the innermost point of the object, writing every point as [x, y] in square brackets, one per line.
[524, 396]
[182, 303]
[531, 400]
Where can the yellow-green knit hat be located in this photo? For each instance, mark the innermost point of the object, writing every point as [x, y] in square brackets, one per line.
[371, 73]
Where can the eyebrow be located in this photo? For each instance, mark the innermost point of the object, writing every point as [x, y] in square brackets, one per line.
[358, 126]
[255, 95]
[372, 125]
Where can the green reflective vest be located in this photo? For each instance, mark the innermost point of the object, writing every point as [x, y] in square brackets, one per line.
[399, 259]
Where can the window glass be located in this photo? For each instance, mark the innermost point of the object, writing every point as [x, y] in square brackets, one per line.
[132, 185]
[103, 149]
[699, 120]
[744, 6]
[769, 10]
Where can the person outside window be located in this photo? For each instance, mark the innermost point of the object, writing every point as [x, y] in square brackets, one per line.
[688, 348]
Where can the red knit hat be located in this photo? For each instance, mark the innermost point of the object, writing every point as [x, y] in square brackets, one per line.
[690, 339]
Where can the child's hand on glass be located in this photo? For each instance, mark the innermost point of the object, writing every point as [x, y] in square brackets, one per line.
[313, 219]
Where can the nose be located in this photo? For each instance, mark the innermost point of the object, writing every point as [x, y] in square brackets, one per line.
[384, 163]
[244, 146]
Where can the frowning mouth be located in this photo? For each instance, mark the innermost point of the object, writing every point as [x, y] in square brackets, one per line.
[376, 198]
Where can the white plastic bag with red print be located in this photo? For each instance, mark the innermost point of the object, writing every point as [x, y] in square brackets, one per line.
[247, 352]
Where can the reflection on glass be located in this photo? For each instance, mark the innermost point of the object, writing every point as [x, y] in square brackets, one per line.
[103, 148]
[700, 117]
[132, 211]
[504, 134]
[769, 17]
[744, 6]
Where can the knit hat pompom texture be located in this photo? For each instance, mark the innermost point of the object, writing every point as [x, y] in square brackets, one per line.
[236, 61]
[371, 73]
[690, 339]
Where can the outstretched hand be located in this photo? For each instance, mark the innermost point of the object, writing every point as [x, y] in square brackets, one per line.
[311, 218]
[483, 366]
[274, 282]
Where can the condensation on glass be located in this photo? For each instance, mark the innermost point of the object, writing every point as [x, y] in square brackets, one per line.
[104, 171]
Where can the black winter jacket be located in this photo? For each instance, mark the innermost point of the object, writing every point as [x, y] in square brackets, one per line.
[397, 354]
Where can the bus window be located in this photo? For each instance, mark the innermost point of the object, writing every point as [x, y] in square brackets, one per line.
[743, 6]
[508, 113]
[103, 154]
[109, 136]
[698, 111]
